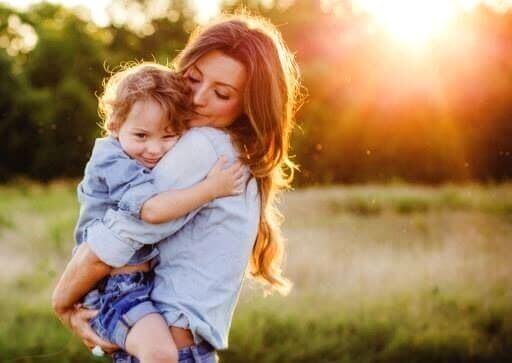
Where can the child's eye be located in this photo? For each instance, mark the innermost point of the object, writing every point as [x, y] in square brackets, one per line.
[221, 96]
[140, 135]
[167, 137]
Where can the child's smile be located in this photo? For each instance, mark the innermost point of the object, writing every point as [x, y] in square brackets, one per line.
[145, 135]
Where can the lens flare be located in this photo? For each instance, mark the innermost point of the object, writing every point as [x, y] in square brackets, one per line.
[410, 22]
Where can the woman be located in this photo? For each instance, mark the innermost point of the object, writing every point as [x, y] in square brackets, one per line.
[245, 86]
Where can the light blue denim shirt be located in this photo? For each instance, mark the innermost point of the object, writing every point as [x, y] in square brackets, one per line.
[113, 180]
[204, 255]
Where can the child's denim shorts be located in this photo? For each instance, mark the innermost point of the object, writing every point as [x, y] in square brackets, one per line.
[200, 353]
[122, 300]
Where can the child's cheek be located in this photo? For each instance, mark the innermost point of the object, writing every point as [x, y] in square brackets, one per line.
[133, 148]
[169, 144]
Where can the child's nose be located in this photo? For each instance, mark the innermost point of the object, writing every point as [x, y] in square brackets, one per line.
[155, 148]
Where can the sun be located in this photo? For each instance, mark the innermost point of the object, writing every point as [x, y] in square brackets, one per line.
[412, 22]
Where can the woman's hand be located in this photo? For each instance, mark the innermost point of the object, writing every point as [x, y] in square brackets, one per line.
[81, 274]
[79, 323]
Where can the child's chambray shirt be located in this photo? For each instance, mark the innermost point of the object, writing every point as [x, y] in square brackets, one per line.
[113, 180]
[203, 255]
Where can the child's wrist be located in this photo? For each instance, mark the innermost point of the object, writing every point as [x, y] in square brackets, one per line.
[211, 188]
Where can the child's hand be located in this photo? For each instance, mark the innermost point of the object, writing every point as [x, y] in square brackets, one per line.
[226, 181]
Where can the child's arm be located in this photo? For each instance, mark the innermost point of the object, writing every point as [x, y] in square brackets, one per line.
[173, 204]
[128, 182]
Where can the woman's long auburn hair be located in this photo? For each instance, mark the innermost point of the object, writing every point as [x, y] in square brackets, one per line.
[262, 132]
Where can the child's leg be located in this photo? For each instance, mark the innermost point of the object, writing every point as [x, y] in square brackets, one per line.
[151, 342]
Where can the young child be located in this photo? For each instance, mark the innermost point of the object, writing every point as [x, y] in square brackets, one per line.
[144, 109]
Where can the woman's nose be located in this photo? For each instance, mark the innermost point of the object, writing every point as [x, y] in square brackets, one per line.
[199, 96]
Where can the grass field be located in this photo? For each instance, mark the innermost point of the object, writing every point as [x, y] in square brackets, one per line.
[386, 274]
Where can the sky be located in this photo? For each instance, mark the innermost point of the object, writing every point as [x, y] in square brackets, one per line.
[205, 9]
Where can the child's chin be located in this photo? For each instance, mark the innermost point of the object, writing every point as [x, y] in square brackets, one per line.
[148, 164]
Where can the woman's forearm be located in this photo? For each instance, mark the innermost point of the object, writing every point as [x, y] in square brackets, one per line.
[81, 274]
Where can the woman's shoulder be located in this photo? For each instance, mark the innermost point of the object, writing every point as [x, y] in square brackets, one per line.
[218, 140]
[207, 133]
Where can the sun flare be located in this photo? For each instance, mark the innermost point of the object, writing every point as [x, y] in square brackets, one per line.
[411, 22]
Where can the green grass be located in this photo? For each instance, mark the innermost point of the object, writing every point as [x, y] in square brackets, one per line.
[406, 199]
[383, 274]
[440, 330]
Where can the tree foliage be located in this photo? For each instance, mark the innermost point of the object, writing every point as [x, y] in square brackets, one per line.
[372, 112]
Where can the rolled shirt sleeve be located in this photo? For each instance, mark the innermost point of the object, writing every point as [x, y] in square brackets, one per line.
[111, 179]
[133, 199]
[116, 238]
[108, 247]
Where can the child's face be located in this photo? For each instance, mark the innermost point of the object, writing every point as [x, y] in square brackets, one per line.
[146, 135]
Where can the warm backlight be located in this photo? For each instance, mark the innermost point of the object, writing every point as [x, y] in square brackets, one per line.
[413, 22]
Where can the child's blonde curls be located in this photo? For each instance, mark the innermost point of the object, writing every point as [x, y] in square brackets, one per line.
[134, 82]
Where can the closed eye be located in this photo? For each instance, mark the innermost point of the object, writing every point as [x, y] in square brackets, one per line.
[221, 96]
[192, 79]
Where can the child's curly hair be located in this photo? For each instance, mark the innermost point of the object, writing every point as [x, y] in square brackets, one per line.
[140, 81]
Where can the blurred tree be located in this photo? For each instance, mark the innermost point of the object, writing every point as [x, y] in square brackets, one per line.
[373, 110]
[49, 105]
[65, 68]
[15, 128]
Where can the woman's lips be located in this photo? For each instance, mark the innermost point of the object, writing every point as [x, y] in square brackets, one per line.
[199, 120]
[199, 114]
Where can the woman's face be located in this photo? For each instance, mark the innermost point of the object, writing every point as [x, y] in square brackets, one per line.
[217, 83]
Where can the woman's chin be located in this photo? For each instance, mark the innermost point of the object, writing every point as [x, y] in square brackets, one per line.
[200, 121]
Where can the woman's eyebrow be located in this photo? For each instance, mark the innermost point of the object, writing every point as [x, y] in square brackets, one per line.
[216, 82]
